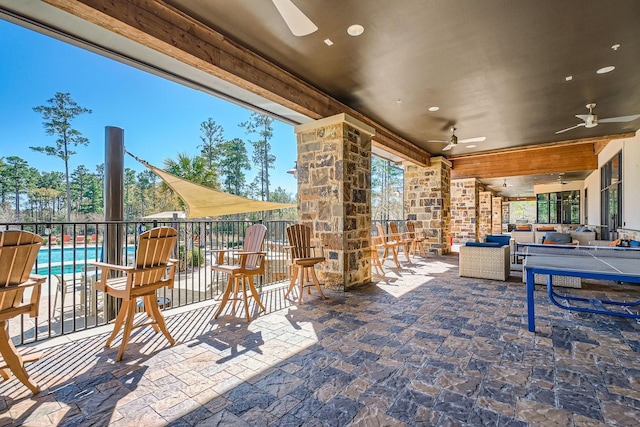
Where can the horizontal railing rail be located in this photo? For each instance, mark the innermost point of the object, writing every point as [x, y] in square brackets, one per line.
[69, 299]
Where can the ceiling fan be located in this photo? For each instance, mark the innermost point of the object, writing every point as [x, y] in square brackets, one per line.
[591, 120]
[299, 24]
[453, 140]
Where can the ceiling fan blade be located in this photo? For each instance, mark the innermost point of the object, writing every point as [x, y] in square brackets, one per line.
[298, 22]
[619, 119]
[437, 140]
[572, 127]
[448, 147]
[584, 117]
[476, 139]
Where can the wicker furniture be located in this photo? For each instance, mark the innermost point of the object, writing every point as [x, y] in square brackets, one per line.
[485, 262]
[562, 281]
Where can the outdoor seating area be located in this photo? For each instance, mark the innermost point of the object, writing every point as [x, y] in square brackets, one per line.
[428, 347]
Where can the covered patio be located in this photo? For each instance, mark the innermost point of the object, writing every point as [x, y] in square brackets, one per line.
[421, 347]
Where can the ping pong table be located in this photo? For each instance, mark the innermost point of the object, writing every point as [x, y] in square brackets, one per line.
[602, 263]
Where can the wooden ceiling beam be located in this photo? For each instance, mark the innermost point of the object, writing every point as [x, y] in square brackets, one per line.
[164, 29]
[537, 160]
[599, 143]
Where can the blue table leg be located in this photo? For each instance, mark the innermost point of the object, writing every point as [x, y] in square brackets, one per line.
[531, 286]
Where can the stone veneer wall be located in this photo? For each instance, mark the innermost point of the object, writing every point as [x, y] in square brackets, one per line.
[334, 193]
[428, 202]
[505, 216]
[496, 215]
[464, 209]
[484, 214]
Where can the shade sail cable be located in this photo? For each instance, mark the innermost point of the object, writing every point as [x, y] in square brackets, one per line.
[204, 201]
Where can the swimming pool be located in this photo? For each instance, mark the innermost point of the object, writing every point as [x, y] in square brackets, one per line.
[68, 260]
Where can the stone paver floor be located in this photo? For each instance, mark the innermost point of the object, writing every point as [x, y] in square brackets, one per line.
[422, 347]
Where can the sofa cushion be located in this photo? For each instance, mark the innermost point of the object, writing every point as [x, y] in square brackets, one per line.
[484, 244]
[557, 238]
[498, 238]
[523, 228]
[634, 243]
[546, 228]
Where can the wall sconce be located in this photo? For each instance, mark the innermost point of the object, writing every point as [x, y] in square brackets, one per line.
[294, 170]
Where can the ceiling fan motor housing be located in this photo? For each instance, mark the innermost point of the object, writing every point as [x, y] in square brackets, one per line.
[591, 121]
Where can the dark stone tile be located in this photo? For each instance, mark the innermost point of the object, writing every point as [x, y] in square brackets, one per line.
[496, 390]
[360, 356]
[301, 393]
[247, 396]
[306, 408]
[506, 421]
[374, 371]
[541, 395]
[405, 318]
[478, 365]
[193, 417]
[483, 417]
[543, 373]
[339, 411]
[578, 403]
[323, 376]
[454, 405]
[289, 421]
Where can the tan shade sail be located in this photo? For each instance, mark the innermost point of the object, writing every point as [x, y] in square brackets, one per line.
[203, 201]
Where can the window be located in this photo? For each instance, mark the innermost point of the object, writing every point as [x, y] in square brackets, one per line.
[611, 195]
[561, 207]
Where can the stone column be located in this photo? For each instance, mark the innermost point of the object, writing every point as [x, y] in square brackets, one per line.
[334, 196]
[428, 201]
[484, 214]
[464, 209]
[496, 215]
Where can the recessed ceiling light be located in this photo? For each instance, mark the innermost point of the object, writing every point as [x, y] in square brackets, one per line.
[328, 42]
[616, 46]
[605, 70]
[434, 108]
[568, 78]
[398, 101]
[355, 30]
[470, 146]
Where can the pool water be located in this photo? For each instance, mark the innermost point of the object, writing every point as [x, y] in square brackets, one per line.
[68, 260]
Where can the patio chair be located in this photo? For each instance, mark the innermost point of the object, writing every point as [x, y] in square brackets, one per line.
[390, 247]
[152, 270]
[18, 253]
[375, 256]
[403, 242]
[416, 240]
[302, 258]
[68, 284]
[250, 262]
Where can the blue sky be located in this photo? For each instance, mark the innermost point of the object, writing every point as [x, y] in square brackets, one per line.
[160, 118]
